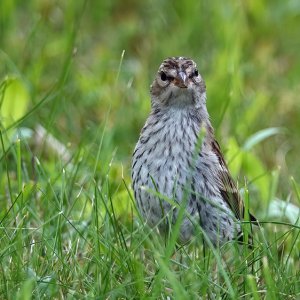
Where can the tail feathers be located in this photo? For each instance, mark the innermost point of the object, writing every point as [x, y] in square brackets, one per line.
[241, 240]
[253, 220]
[241, 237]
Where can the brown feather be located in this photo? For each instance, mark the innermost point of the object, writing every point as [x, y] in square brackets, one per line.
[228, 187]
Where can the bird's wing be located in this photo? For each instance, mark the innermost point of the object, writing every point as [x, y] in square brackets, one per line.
[228, 187]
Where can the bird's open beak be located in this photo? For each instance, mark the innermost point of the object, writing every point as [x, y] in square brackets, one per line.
[181, 80]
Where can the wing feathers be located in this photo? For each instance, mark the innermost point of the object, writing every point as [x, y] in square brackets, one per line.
[227, 186]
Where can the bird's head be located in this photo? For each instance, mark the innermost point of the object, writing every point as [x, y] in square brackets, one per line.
[178, 83]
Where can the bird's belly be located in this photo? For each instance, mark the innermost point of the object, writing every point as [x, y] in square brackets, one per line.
[166, 174]
[164, 182]
[166, 185]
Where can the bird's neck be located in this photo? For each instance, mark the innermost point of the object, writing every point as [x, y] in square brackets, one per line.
[188, 115]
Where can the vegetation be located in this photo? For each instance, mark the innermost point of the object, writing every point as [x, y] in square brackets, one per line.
[74, 81]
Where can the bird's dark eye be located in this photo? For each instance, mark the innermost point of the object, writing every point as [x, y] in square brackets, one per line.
[196, 73]
[163, 76]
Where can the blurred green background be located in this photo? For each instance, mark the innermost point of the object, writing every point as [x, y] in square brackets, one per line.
[82, 71]
[74, 95]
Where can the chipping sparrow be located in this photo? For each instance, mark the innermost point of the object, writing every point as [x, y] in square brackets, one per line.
[169, 163]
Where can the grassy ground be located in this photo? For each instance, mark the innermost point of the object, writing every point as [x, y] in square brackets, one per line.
[74, 81]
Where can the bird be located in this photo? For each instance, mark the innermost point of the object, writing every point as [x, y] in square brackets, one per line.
[177, 162]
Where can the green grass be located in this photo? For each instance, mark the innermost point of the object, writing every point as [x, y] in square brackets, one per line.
[74, 81]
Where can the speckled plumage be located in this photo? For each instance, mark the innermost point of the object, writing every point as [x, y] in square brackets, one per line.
[167, 161]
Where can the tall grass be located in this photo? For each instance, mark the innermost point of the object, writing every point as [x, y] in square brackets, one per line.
[74, 80]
